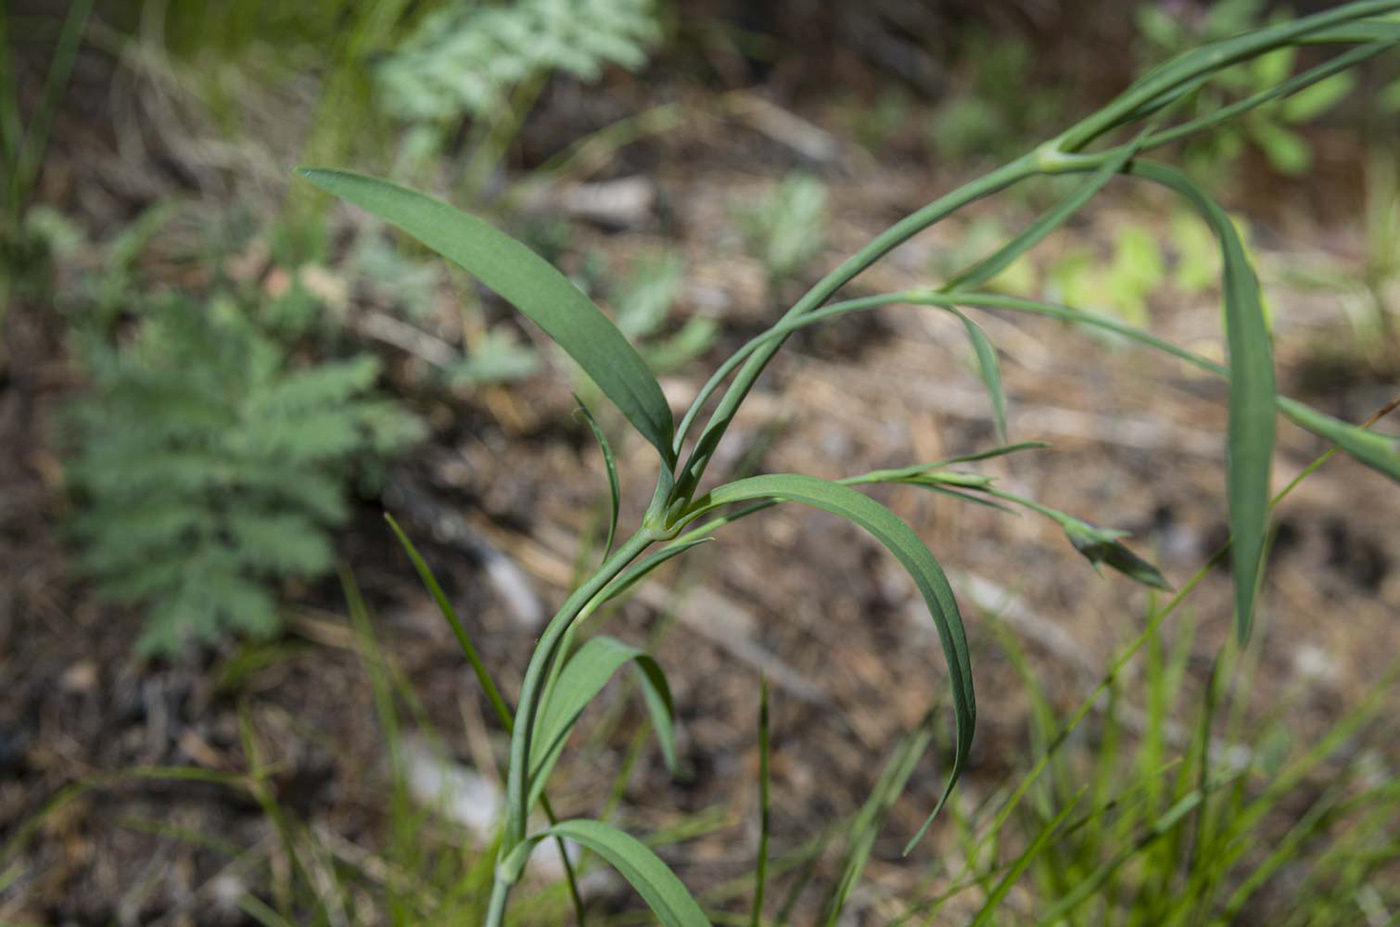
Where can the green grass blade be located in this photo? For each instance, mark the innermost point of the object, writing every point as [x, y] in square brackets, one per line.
[614, 486]
[584, 675]
[526, 281]
[871, 817]
[30, 154]
[901, 541]
[644, 871]
[1377, 451]
[764, 805]
[1252, 396]
[1022, 863]
[464, 640]
[990, 371]
[1086, 888]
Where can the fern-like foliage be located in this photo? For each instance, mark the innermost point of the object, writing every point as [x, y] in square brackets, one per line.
[465, 59]
[210, 466]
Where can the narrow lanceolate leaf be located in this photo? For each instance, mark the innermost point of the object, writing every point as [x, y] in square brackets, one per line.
[1018, 868]
[643, 870]
[764, 804]
[614, 487]
[901, 541]
[582, 678]
[860, 837]
[1252, 396]
[529, 283]
[1377, 451]
[450, 615]
[990, 371]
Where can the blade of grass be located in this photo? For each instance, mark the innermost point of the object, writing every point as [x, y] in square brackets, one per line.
[614, 487]
[29, 155]
[1252, 397]
[1023, 862]
[990, 371]
[871, 817]
[764, 808]
[464, 641]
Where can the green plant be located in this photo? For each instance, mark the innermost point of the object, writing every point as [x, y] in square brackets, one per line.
[1270, 127]
[681, 515]
[27, 238]
[787, 228]
[1369, 291]
[205, 481]
[1000, 101]
[489, 62]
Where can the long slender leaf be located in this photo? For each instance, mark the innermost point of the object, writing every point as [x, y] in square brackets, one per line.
[614, 486]
[901, 541]
[582, 678]
[653, 880]
[871, 817]
[1252, 396]
[529, 283]
[764, 816]
[990, 371]
[483, 676]
[1023, 862]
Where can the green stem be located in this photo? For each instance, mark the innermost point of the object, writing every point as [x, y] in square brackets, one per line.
[528, 709]
[1005, 176]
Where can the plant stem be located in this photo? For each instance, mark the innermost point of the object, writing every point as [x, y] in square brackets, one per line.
[531, 701]
[1008, 174]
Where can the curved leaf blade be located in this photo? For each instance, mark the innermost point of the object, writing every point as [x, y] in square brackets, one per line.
[610, 461]
[1252, 394]
[989, 370]
[582, 678]
[528, 282]
[901, 541]
[653, 880]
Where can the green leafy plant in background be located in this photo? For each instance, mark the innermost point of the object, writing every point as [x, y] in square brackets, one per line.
[1000, 101]
[683, 513]
[1370, 287]
[204, 483]
[489, 62]
[643, 303]
[1273, 127]
[787, 227]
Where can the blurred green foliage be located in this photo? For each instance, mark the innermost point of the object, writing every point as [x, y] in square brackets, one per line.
[786, 228]
[1271, 128]
[210, 465]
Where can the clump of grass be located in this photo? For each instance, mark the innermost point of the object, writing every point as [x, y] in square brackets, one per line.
[560, 680]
